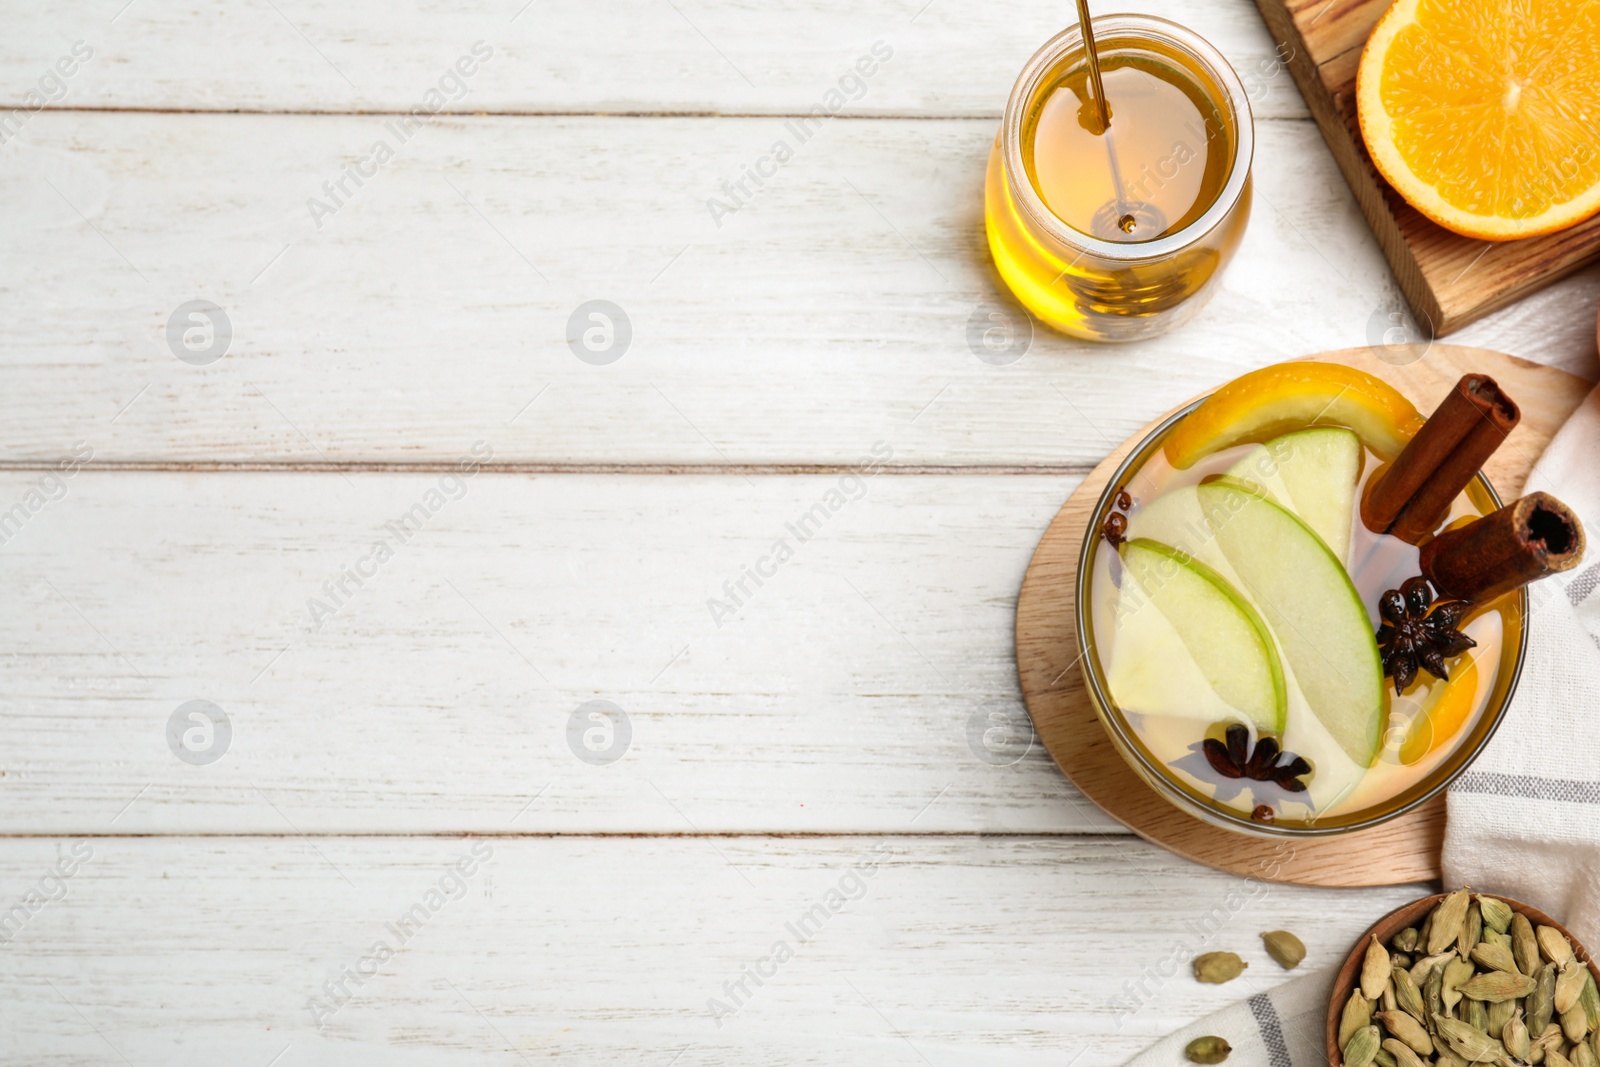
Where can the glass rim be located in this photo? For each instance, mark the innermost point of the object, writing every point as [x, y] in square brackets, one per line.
[1117, 729]
[1197, 49]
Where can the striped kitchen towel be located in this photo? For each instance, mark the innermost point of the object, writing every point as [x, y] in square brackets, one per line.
[1524, 820]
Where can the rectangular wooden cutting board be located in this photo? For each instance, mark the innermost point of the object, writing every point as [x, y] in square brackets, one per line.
[1448, 280]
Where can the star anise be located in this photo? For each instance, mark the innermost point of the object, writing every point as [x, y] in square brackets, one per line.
[1237, 759]
[1414, 636]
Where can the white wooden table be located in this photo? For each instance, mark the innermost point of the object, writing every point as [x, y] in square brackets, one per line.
[410, 843]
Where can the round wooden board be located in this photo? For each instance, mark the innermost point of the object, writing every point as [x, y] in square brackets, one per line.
[1405, 849]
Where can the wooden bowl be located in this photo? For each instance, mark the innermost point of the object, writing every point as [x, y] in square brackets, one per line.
[1412, 915]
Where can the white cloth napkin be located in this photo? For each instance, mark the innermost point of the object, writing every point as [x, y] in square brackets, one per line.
[1524, 820]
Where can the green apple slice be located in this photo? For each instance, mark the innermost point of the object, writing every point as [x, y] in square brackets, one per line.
[1176, 519]
[1295, 582]
[1312, 473]
[1187, 643]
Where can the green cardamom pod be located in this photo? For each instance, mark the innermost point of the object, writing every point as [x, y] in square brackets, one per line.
[1207, 1050]
[1407, 1029]
[1408, 996]
[1494, 958]
[1432, 992]
[1469, 1043]
[1574, 1024]
[1499, 985]
[1471, 930]
[1219, 967]
[1475, 1013]
[1556, 948]
[1496, 913]
[1403, 1056]
[1542, 1001]
[1375, 970]
[1590, 1001]
[1362, 1048]
[1444, 925]
[1525, 945]
[1285, 949]
[1569, 985]
[1405, 940]
[1357, 1013]
[1583, 1055]
[1385, 1058]
[1456, 972]
[1516, 1039]
[1500, 1013]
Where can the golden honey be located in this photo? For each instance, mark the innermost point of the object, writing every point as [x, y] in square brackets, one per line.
[1118, 233]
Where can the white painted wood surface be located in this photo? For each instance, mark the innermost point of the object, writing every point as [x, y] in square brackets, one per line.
[847, 704]
[433, 308]
[850, 691]
[607, 950]
[951, 58]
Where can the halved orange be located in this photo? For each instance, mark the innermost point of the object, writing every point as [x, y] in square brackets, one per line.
[1482, 113]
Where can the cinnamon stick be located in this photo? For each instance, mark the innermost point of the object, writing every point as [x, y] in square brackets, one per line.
[1522, 542]
[1414, 495]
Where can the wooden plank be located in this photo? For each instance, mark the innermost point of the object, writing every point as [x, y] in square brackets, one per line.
[1450, 280]
[1030, 951]
[869, 681]
[721, 56]
[832, 310]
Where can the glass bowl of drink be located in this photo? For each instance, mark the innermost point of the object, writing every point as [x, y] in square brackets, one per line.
[1232, 619]
[1116, 231]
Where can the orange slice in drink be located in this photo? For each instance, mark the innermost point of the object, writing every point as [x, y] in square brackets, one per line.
[1447, 711]
[1482, 113]
[1294, 396]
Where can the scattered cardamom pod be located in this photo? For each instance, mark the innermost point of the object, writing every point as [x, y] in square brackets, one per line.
[1407, 1029]
[1556, 948]
[1569, 984]
[1362, 1048]
[1401, 961]
[1408, 996]
[1385, 1058]
[1207, 1050]
[1499, 985]
[1285, 949]
[1494, 937]
[1357, 1013]
[1496, 913]
[1552, 1058]
[1475, 1013]
[1515, 1037]
[1403, 1056]
[1542, 1001]
[1583, 1055]
[1444, 925]
[1525, 945]
[1405, 940]
[1494, 958]
[1470, 1044]
[1218, 967]
[1375, 970]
